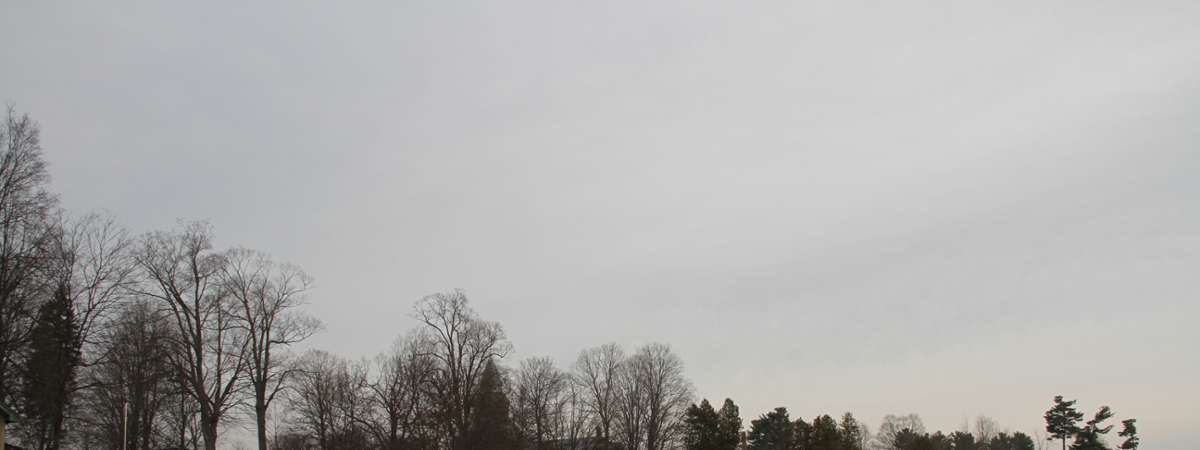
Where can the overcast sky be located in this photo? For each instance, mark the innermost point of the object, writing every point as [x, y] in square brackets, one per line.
[883, 208]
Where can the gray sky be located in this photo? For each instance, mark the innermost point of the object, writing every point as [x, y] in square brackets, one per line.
[935, 208]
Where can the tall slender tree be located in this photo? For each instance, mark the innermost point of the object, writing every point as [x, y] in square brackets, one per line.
[851, 433]
[730, 426]
[50, 373]
[492, 427]
[1062, 420]
[25, 208]
[266, 297]
[209, 350]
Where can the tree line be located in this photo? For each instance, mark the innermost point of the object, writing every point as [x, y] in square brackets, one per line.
[162, 340]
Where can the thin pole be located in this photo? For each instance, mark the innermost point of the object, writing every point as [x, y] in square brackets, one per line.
[125, 425]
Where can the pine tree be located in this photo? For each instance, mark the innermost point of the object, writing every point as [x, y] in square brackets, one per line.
[772, 431]
[50, 373]
[1021, 441]
[962, 440]
[1089, 437]
[729, 426]
[802, 435]
[1129, 432]
[491, 424]
[1061, 420]
[825, 434]
[908, 439]
[1015, 441]
[701, 427]
[939, 441]
[851, 433]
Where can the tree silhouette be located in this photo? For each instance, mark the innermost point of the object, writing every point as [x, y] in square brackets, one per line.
[50, 373]
[1061, 420]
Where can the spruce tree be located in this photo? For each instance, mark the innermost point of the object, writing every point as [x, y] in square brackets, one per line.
[50, 373]
[729, 426]
[851, 433]
[701, 427]
[1129, 432]
[491, 424]
[1061, 420]
[962, 440]
[772, 431]
[1021, 441]
[825, 434]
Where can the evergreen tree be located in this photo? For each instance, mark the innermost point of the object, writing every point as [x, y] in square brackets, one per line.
[1015, 441]
[729, 426]
[939, 441]
[802, 435]
[1129, 432]
[50, 373]
[772, 431]
[824, 434]
[961, 440]
[851, 433]
[1021, 441]
[908, 439]
[492, 427]
[1061, 420]
[1089, 437]
[701, 427]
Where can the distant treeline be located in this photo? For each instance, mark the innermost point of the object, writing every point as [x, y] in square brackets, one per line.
[110, 340]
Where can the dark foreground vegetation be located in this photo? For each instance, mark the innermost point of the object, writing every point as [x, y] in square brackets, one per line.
[111, 340]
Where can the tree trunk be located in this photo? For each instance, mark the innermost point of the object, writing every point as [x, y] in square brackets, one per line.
[209, 430]
[260, 415]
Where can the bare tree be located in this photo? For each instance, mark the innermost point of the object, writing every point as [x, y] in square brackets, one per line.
[315, 400]
[25, 208]
[540, 389]
[985, 429]
[631, 406]
[892, 425]
[462, 344]
[135, 371]
[182, 271]
[667, 391]
[401, 405]
[573, 417]
[597, 371]
[93, 255]
[328, 402]
[266, 297]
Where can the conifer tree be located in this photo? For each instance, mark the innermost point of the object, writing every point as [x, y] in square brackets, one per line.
[1129, 432]
[771, 431]
[729, 426]
[1061, 420]
[824, 434]
[701, 427]
[962, 440]
[851, 433]
[50, 374]
[492, 427]
[1089, 437]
